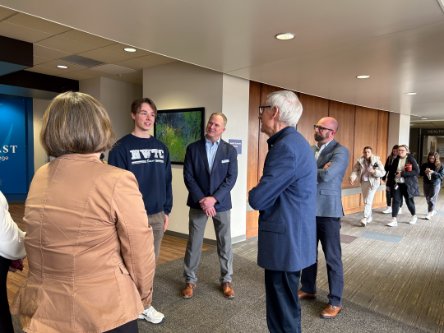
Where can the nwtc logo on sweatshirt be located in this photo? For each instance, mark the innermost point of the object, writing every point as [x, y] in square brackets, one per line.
[139, 156]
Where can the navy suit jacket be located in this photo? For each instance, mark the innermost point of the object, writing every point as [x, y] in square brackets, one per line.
[286, 199]
[329, 203]
[201, 183]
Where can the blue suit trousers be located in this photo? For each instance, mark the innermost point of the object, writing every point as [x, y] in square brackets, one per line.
[328, 233]
[282, 302]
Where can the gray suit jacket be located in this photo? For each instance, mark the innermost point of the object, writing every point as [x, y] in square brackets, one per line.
[329, 202]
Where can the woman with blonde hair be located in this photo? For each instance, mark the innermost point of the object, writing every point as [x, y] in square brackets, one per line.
[369, 170]
[433, 173]
[403, 182]
[89, 246]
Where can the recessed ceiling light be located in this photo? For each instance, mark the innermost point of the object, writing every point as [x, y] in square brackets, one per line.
[284, 36]
[424, 118]
[62, 66]
[411, 93]
[130, 49]
[365, 76]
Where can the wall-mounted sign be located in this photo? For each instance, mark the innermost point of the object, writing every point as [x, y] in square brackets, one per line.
[16, 146]
[236, 143]
[432, 131]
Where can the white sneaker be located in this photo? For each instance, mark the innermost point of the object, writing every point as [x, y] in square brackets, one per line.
[428, 216]
[394, 223]
[152, 315]
[369, 219]
[400, 211]
[413, 220]
[363, 221]
[387, 211]
[434, 212]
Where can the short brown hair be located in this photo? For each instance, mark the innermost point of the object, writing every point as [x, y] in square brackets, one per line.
[220, 114]
[137, 104]
[75, 122]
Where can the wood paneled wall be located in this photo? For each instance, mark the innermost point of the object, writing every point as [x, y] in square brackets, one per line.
[358, 127]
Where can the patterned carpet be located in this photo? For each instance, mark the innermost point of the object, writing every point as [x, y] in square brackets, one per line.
[208, 311]
[394, 282]
[396, 272]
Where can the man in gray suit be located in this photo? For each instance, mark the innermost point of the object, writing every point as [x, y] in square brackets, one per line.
[332, 162]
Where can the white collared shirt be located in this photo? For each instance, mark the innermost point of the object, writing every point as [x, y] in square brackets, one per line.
[320, 149]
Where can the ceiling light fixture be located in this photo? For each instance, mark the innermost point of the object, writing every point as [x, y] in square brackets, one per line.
[130, 49]
[62, 66]
[412, 93]
[365, 76]
[284, 36]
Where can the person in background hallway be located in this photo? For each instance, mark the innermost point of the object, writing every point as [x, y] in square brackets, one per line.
[89, 246]
[388, 192]
[285, 197]
[210, 172]
[403, 182]
[149, 160]
[369, 169]
[12, 249]
[433, 173]
[332, 161]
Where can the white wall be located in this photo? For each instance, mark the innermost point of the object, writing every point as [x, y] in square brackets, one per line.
[38, 106]
[399, 130]
[117, 97]
[235, 104]
[179, 85]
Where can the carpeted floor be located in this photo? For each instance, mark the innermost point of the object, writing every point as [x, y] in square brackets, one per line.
[208, 311]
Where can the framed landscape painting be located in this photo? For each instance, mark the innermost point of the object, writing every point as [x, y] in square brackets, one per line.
[177, 128]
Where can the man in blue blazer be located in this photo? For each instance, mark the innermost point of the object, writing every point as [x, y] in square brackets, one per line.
[286, 199]
[332, 162]
[210, 172]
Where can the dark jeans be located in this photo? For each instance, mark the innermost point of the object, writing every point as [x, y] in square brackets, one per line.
[5, 315]
[130, 327]
[431, 192]
[389, 198]
[398, 194]
[282, 302]
[328, 233]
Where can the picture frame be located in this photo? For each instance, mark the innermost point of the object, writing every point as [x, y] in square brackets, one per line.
[177, 128]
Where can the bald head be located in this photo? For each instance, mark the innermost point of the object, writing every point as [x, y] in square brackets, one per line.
[325, 130]
[330, 122]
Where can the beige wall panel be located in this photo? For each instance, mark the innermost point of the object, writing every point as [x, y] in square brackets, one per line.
[314, 109]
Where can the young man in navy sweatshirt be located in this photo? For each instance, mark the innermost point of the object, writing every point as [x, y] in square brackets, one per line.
[149, 160]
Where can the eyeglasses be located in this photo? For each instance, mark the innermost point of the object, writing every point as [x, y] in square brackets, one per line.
[262, 108]
[320, 128]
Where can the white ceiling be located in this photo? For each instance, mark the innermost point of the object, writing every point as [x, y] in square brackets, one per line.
[399, 43]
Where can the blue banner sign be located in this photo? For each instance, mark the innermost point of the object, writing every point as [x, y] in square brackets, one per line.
[16, 146]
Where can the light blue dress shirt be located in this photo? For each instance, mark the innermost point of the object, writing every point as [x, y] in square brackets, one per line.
[211, 148]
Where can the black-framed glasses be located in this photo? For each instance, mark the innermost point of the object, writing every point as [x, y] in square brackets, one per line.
[262, 108]
[320, 128]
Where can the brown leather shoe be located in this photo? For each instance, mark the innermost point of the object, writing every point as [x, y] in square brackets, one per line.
[188, 291]
[331, 311]
[227, 289]
[304, 295]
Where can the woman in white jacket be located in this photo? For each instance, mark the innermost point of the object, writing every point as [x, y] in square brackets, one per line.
[369, 169]
[11, 248]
